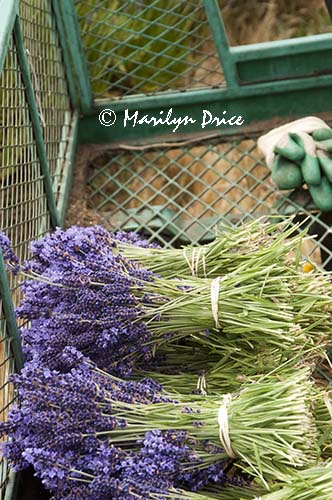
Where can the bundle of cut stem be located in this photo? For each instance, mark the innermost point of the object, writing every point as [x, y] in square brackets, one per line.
[205, 373]
[255, 241]
[217, 493]
[252, 307]
[313, 483]
[226, 493]
[323, 416]
[268, 425]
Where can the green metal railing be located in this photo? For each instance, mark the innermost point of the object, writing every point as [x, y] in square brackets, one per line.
[62, 62]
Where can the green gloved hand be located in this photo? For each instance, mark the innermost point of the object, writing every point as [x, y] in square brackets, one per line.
[291, 147]
[301, 152]
[322, 195]
[309, 164]
[296, 151]
[323, 138]
[286, 174]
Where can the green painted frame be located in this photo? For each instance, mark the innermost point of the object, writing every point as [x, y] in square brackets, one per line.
[284, 78]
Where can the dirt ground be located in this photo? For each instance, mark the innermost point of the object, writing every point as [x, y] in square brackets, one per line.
[78, 212]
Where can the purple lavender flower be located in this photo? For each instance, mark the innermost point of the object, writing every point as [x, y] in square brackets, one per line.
[132, 238]
[8, 254]
[83, 299]
[64, 428]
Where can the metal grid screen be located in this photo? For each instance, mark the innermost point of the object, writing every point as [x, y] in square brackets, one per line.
[25, 210]
[44, 57]
[23, 205]
[180, 195]
[147, 47]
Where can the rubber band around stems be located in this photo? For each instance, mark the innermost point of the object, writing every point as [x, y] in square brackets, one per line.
[224, 427]
[215, 285]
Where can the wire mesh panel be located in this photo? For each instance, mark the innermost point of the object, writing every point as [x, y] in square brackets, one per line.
[23, 204]
[45, 61]
[180, 195]
[147, 47]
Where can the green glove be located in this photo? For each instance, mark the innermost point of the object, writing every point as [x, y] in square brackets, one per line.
[322, 195]
[327, 144]
[300, 152]
[322, 134]
[286, 174]
[325, 164]
[291, 148]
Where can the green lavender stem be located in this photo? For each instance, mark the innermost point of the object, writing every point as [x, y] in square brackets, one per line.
[254, 242]
[271, 426]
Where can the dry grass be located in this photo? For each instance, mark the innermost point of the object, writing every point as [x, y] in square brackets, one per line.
[254, 21]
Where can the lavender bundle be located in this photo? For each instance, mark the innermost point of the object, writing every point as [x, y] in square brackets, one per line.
[62, 429]
[194, 369]
[248, 309]
[268, 424]
[82, 292]
[233, 247]
[267, 427]
[314, 483]
[66, 305]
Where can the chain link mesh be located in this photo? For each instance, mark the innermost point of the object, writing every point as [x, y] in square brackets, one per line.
[180, 195]
[147, 47]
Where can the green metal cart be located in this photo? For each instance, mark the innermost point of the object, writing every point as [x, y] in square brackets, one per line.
[150, 85]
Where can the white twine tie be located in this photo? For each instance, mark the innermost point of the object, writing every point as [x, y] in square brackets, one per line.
[215, 285]
[196, 267]
[201, 384]
[328, 404]
[224, 428]
[195, 258]
[188, 262]
[204, 265]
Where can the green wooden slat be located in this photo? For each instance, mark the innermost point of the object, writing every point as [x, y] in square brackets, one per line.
[285, 67]
[259, 103]
[8, 309]
[277, 48]
[307, 56]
